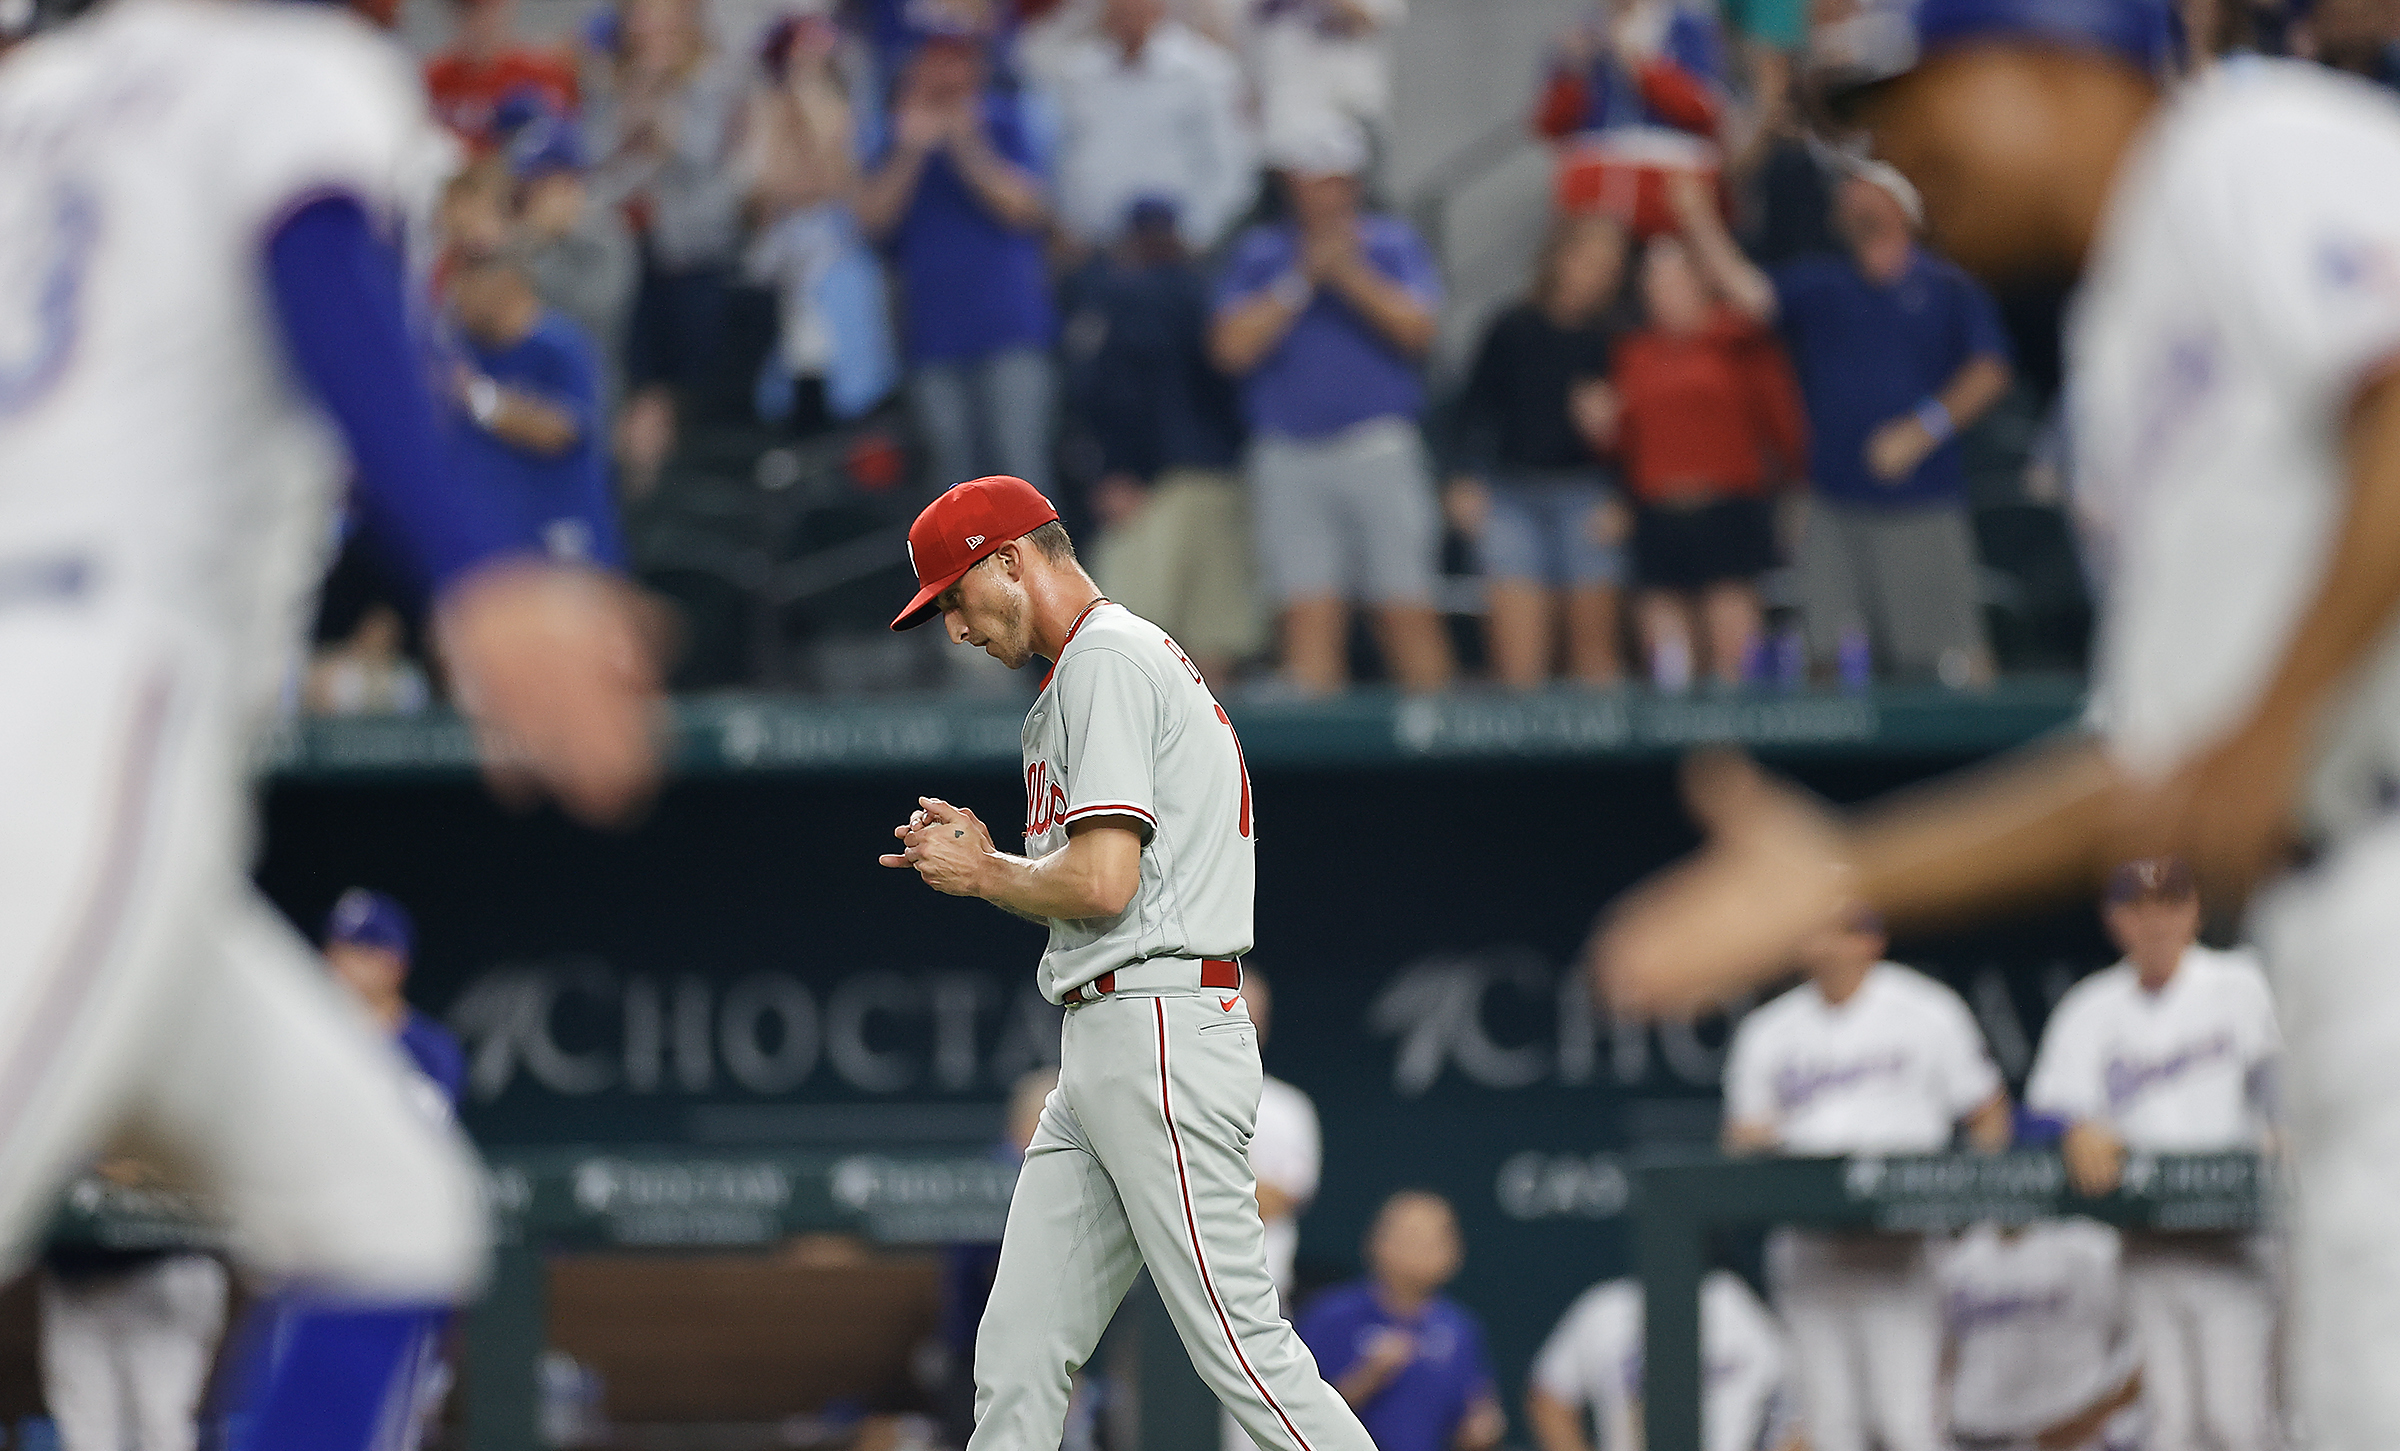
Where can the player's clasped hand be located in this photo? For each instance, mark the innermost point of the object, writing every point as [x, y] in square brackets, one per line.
[946, 845]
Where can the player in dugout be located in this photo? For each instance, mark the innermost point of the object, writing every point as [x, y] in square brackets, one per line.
[1865, 1057]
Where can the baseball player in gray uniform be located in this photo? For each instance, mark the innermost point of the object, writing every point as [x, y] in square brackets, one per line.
[1139, 855]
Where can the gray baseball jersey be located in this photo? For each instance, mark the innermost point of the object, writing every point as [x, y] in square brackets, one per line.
[1125, 726]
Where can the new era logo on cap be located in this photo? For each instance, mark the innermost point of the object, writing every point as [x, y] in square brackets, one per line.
[960, 528]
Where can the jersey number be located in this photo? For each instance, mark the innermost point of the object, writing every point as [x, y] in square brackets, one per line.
[48, 286]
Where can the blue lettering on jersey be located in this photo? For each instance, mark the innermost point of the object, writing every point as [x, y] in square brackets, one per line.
[51, 283]
[2127, 1076]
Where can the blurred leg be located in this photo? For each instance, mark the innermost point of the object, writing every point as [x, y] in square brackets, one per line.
[1593, 627]
[1415, 646]
[1832, 595]
[1900, 1343]
[2233, 1331]
[944, 404]
[80, 1378]
[1731, 611]
[2170, 1398]
[1666, 620]
[171, 1346]
[1517, 625]
[1316, 644]
[1818, 1309]
[1017, 398]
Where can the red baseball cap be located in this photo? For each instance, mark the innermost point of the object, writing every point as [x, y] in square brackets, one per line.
[962, 526]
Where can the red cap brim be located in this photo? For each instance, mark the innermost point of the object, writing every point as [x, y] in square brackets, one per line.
[921, 608]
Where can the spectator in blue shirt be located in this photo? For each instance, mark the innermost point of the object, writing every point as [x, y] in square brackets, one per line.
[1408, 1359]
[957, 197]
[1157, 432]
[529, 385]
[1896, 350]
[1325, 318]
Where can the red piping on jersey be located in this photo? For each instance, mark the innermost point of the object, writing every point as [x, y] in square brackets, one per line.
[1110, 808]
[1071, 629]
[1191, 1222]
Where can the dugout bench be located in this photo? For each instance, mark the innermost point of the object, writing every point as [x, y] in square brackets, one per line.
[1679, 1199]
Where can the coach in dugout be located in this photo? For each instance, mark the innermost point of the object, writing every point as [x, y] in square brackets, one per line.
[369, 939]
[2173, 1051]
[1865, 1057]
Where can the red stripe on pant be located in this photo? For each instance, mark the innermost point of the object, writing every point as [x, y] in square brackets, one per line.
[1191, 1222]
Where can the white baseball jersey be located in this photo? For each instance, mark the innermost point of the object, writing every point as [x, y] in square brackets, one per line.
[1889, 1071]
[1125, 727]
[2036, 1323]
[153, 443]
[1287, 1150]
[1594, 1358]
[2246, 282]
[2181, 1070]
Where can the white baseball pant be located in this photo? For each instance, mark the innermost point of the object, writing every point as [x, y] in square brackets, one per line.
[126, 1356]
[1866, 1337]
[2206, 1325]
[151, 999]
[2331, 935]
[1142, 1158]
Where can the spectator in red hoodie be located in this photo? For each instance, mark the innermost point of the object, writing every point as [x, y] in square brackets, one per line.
[1708, 421]
[486, 65]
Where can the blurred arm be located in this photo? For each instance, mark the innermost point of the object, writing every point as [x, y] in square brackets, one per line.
[1557, 1426]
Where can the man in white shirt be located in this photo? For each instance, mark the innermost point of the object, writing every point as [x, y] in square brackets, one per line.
[2173, 1050]
[1865, 1057]
[2036, 1350]
[1594, 1360]
[1150, 108]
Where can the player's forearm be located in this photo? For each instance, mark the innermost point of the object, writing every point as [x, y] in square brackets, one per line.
[1972, 392]
[1244, 335]
[886, 192]
[1008, 191]
[1747, 288]
[1067, 885]
[1556, 1425]
[1390, 309]
[2030, 828]
[527, 422]
[1991, 1127]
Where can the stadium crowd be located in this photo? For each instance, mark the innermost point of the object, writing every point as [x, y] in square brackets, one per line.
[1132, 251]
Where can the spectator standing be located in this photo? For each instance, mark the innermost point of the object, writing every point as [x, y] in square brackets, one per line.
[578, 256]
[1149, 108]
[1325, 318]
[1709, 418]
[1539, 421]
[834, 358]
[1409, 1359]
[2036, 1350]
[1897, 350]
[1321, 64]
[529, 387]
[958, 198]
[1594, 1359]
[1865, 1057]
[487, 67]
[2173, 1051]
[664, 135]
[1161, 429]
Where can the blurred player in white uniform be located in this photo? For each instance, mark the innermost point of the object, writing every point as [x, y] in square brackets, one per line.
[2174, 1051]
[2235, 411]
[1593, 1360]
[2036, 1354]
[1865, 1057]
[1287, 1153]
[200, 313]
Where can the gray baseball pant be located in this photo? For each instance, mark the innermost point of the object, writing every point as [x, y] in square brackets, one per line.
[1142, 1158]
